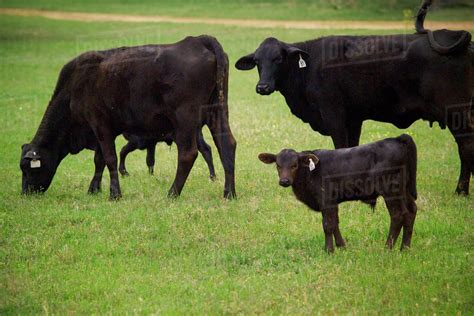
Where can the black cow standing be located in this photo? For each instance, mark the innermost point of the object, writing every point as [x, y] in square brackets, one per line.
[146, 91]
[335, 83]
[137, 142]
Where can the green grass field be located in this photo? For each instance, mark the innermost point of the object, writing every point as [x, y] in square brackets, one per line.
[267, 9]
[66, 252]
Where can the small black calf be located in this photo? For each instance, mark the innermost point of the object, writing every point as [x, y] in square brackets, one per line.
[324, 178]
[149, 143]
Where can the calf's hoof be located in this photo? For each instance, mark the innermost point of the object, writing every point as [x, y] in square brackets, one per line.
[94, 188]
[212, 177]
[124, 172]
[115, 195]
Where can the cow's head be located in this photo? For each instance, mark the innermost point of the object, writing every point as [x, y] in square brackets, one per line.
[38, 166]
[272, 59]
[288, 164]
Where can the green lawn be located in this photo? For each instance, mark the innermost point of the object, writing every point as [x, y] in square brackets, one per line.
[67, 252]
[267, 9]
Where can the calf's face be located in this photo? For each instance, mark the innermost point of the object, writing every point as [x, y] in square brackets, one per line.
[271, 59]
[288, 164]
[38, 167]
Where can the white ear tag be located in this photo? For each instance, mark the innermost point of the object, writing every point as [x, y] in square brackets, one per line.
[301, 62]
[35, 163]
[312, 166]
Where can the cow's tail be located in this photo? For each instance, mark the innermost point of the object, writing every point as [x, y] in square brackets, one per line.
[222, 61]
[421, 15]
[410, 173]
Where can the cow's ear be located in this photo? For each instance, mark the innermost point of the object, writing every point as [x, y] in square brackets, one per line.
[267, 158]
[296, 52]
[308, 160]
[246, 62]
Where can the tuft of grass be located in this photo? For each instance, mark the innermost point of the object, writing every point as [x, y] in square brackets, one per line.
[68, 252]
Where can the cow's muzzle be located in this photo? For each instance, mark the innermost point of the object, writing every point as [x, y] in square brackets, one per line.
[264, 89]
[285, 182]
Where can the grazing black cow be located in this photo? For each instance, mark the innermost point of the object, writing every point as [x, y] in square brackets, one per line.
[322, 179]
[137, 142]
[336, 83]
[146, 91]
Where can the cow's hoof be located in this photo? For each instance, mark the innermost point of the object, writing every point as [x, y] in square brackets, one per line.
[230, 195]
[213, 177]
[172, 194]
[94, 190]
[462, 191]
[150, 171]
[115, 197]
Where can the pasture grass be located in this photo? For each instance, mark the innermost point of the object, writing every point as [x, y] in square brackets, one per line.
[66, 252]
[267, 9]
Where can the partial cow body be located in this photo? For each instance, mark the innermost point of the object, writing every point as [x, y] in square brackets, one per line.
[146, 90]
[398, 79]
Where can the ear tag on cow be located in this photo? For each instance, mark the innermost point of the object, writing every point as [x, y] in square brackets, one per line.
[35, 163]
[311, 165]
[301, 62]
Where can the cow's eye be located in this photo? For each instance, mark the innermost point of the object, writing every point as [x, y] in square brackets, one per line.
[278, 60]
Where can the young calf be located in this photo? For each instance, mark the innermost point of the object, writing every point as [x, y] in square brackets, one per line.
[149, 143]
[324, 178]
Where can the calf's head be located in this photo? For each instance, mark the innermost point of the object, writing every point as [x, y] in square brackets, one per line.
[38, 166]
[272, 59]
[288, 163]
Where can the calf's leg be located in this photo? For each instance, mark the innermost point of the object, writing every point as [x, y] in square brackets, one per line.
[99, 163]
[396, 221]
[150, 157]
[206, 152]
[337, 233]
[128, 148]
[329, 227]
[408, 222]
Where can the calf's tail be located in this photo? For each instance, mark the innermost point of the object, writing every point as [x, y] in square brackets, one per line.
[411, 164]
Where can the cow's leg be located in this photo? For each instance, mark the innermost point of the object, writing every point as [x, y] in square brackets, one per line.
[395, 210]
[206, 152]
[226, 145]
[408, 223]
[150, 157]
[128, 148]
[99, 163]
[187, 153]
[466, 155]
[354, 129]
[337, 233]
[107, 145]
[329, 227]
[461, 125]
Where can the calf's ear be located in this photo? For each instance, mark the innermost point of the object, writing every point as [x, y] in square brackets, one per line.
[246, 62]
[306, 159]
[296, 52]
[267, 158]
